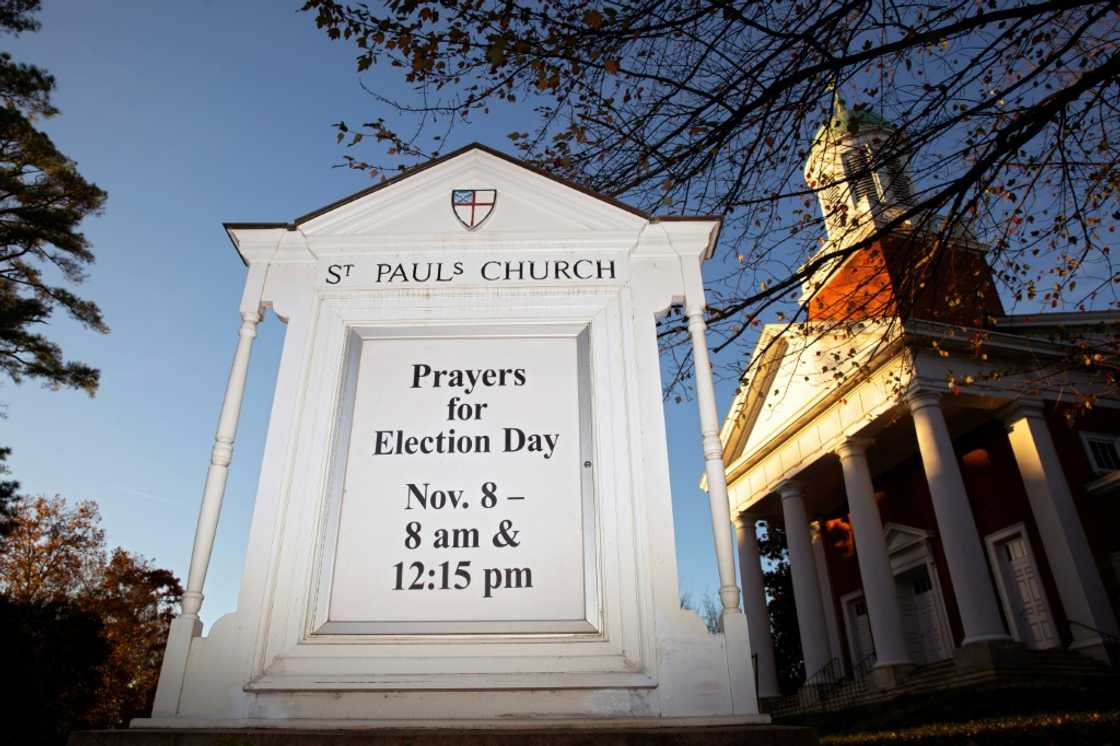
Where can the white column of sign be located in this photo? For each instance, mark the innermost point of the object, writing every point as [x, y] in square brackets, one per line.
[220, 457]
[736, 629]
[187, 626]
[1080, 587]
[806, 587]
[968, 568]
[713, 458]
[754, 603]
[871, 551]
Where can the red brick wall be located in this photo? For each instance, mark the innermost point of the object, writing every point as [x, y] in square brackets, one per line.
[954, 286]
[843, 570]
[898, 278]
[999, 499]
[860, 289]
[1100, 514]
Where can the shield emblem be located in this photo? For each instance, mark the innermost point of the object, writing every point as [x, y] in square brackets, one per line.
[473, 206]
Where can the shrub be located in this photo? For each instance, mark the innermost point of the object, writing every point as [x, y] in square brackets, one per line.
[1067, 729]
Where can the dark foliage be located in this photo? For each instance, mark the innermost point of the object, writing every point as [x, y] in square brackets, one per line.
[43, 198]
[1003, 112]
[54, 651]
[778, 584]
[87, 631]
[9, 493]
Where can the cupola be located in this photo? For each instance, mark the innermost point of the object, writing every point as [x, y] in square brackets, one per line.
[857, 165]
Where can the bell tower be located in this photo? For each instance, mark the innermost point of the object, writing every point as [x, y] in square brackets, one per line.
[861, 179]
[858, 166]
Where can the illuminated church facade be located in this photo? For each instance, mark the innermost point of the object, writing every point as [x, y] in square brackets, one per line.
[946, 501]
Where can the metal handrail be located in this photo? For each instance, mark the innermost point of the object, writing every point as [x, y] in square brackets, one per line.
[827, 674]
[1111, 641]
[861, 669]
[1106, 636]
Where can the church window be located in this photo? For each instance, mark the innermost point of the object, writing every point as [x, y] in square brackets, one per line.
[857, 167]
[900, 184]
[922, 584]
[1103, 451]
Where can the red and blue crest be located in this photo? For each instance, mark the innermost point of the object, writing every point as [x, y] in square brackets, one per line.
[473, 206]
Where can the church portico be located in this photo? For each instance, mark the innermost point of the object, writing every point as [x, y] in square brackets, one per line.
[921, 561]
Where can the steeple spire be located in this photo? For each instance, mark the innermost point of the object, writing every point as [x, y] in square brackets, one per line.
[850, 166]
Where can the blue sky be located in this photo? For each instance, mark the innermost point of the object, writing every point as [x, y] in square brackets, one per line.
[190, 114]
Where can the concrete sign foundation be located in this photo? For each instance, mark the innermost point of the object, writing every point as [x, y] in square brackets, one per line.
[463, 518]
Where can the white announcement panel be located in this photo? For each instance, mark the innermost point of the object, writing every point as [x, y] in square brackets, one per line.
[465, 496]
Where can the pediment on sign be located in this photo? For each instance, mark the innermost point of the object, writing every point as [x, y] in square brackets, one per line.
[472, 192]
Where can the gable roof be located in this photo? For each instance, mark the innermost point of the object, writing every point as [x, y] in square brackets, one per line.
[408, 173]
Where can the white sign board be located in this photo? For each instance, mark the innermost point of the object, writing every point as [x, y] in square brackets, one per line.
[464, 515]
[464, 500]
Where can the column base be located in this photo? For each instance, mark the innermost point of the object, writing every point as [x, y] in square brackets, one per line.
[889, 675]
[766, 704]
[979, 654]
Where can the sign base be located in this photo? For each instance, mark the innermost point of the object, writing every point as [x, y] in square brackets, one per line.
[569, 734]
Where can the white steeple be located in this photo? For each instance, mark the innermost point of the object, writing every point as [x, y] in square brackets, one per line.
[855, 168]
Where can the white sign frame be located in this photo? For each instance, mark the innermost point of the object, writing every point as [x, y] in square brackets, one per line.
[294, 653]
[326, 555]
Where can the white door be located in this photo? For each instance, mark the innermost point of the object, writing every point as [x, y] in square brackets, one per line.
[921, 618]
[1028, 603]
[861, 630]
[933, 635]
[911, 625]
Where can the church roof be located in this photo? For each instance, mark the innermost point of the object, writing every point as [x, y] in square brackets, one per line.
[846, 120]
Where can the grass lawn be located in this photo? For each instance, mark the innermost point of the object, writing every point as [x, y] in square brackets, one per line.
[1071, 716]
[1057, 729]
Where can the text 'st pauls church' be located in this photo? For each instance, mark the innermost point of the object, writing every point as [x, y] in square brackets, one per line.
[465, 486]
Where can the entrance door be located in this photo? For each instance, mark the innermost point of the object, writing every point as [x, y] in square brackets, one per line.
[1029, 609]
[921, 622]
[860, 625]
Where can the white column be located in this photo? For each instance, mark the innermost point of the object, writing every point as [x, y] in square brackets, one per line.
[871, 551]
[1063, 537]
[187, 626]
[964, 553]
[713, 460]
[220, 457]
[806, 587]
[754, 603]
[816, 540]
[736, 629]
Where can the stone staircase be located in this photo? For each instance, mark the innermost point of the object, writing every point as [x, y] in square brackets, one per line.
[1023, 669]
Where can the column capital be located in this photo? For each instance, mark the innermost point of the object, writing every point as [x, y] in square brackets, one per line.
[1022, 409]
[746, 518]
[920, 397]
[790, 489]
[852, 447]
[253, 315]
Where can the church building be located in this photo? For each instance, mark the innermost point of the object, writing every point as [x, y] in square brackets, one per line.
[950, 504]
